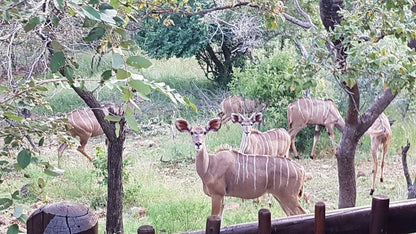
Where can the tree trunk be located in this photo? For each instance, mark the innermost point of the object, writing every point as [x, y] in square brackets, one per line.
[114, 223]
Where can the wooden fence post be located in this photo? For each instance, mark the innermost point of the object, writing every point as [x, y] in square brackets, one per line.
[379, 214]
[213, 225]
[319, 218]
[62, 217]
[146, 229]
[265, 221]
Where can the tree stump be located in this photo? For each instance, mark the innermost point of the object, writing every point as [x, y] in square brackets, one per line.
[62, 217]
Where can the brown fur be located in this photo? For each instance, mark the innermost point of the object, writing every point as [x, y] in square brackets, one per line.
[237, 104]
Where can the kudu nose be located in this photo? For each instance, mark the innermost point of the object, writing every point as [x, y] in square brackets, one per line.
[198, 145]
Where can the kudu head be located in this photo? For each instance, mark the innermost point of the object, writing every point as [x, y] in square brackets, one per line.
[245, 122]
[198, 133]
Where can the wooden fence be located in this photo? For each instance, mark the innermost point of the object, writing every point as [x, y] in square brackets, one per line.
[380, 217]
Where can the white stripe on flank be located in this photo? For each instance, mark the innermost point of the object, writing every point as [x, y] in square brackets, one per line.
[238, 169]
[300, 110]
[80, 117]
[280, 178]
[247, 167]
[90, 119]
[274, 172]
[287, 166]
[254, 171]
[267, 172]
[296, 172]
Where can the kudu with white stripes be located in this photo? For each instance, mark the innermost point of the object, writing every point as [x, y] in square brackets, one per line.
[314, 111]
[231, 173]
[380, 134]
[83, 124]
[237, 104]
[275, 142]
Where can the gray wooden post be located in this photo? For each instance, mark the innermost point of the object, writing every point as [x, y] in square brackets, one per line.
[319, 218]
[265, 221]
[213, 225]
[379, 214]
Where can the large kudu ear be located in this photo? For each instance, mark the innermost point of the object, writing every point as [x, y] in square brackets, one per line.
[182, 125]
[214, 125]
[256, 117]
[235, 118]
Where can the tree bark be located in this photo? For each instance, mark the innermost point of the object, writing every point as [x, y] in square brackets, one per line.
[114, 223]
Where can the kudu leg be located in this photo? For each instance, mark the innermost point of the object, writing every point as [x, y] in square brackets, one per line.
[315, 140]
[61, 150]
[385, 147]
[81, 148]
[374, 148]
[217, 205]
[293, 132]
[290, 204]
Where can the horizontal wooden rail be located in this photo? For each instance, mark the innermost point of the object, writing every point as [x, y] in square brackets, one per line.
[401, 219]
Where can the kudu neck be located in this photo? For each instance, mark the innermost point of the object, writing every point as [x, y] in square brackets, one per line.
[202, 160]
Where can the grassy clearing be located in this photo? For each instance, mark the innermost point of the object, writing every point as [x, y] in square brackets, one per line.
[161, 186]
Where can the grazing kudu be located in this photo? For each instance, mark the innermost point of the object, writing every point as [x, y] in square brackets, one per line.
[380, 134]
[231, 173]
[275, 142]
[237, 104]
[84, 125]
[314, 111]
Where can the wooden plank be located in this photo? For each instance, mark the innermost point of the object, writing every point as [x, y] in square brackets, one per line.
[401, 219]
[265, 221]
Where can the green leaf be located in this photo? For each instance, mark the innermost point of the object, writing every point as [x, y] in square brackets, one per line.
[113, 118]
[93, 2]
[69, 73]
[53, 171]
[115, 3]
[41, 141]
[12, 116]
[16, 195]
[190, 104]
[140, 86]
[23, 158]
[95, 34]
[122, 74]
[132, 122]
[5, 203]
[91, 13]
[117, 61]
[8, 139]
[106, 75]
[60, 4]
[138, 62]
[18, 210]
[33, 22]
[127, 94]
[55, 21]
[13, 229]
[57, 61]
[41, 183]
[57, 47]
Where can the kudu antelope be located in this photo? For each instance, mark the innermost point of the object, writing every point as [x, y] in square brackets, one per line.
[319, 112]
[380, 134]
[237, 104]
[84, 125]
[275, 142]
[231, 173]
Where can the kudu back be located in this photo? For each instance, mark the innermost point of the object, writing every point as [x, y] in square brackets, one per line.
[274, 142]
[83, 124]
[238, 104]
[313, 111]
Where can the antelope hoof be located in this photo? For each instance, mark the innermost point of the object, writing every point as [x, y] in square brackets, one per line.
[381, 180]
[297, 157]
[371, 192]
[312, 156]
